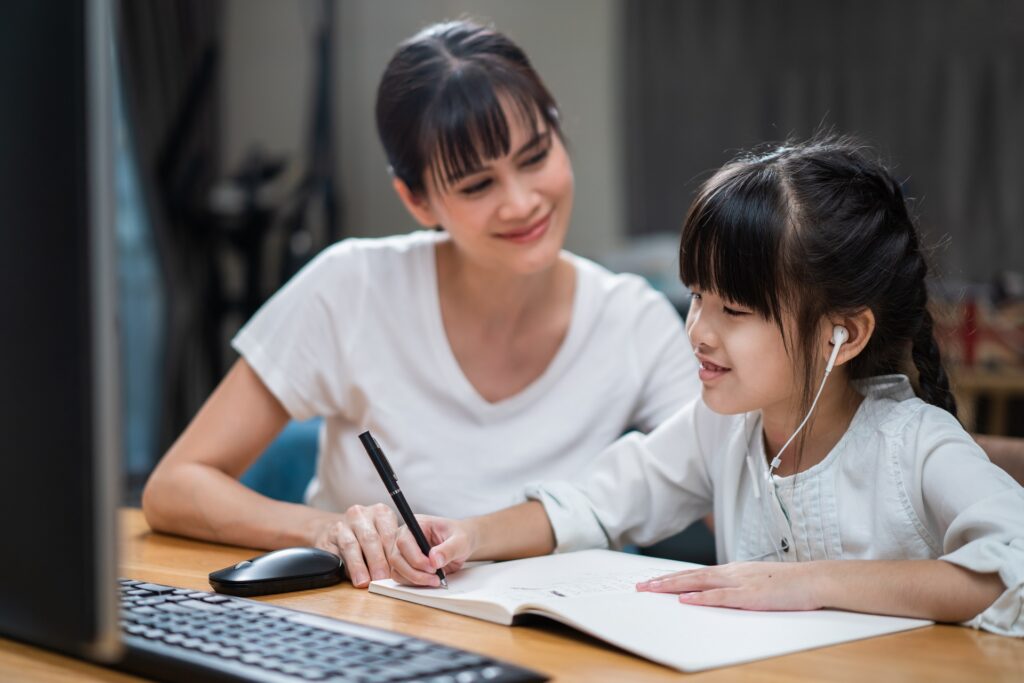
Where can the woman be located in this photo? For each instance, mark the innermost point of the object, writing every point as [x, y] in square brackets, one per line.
[482, 356]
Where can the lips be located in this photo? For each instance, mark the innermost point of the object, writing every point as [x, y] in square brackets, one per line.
[530, 233]
[709, 371]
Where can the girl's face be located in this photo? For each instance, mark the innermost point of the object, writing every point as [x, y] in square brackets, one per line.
[744, 365]
[512, 213]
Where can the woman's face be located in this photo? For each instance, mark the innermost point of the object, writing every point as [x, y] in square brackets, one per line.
[511, 213]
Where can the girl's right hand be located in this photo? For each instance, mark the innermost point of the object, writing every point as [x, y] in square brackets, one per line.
[452, 543]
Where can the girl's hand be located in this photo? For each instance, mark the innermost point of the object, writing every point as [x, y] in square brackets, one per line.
[772, 586]
[452, 542]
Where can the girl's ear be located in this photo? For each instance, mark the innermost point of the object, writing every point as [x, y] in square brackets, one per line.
[416, 204]
[859, 326]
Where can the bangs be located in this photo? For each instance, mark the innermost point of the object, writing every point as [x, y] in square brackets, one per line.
[732, 237]
[467, 123]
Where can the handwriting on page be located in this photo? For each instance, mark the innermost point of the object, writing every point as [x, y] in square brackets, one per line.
[582, 584]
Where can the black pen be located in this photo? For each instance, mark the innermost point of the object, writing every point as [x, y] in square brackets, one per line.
[387, 475]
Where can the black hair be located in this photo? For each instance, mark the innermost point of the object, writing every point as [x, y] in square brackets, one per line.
[440, 102]
[813, 229]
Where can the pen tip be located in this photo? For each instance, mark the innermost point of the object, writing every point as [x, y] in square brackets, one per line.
[444, 583]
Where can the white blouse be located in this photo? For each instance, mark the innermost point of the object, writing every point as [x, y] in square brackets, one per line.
[904, 482]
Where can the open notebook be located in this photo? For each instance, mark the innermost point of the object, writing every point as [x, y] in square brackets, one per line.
[593, 591]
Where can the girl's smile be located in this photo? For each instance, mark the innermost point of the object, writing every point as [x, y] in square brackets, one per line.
[709, 371]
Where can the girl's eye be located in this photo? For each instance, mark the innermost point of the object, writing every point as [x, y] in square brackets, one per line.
[476, 187]
[537, 158]
[734, 312]
[694, 296]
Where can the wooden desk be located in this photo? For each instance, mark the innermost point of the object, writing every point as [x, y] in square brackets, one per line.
[938, 653]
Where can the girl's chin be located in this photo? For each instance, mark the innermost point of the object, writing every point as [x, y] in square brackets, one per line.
[720, 404]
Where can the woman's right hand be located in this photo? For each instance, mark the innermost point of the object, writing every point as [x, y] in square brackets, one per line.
[452, 543]
[362, 537]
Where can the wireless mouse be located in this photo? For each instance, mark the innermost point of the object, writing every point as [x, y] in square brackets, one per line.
[279, 571]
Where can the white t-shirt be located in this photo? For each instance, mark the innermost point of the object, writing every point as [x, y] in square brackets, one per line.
[357, 338]
[905, 482]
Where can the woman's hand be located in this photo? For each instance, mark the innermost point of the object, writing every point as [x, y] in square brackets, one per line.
[744, 585]
[363, 537]
[453, 542]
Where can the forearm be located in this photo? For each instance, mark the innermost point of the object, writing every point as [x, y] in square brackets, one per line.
[199, 501]
[519, 531]
[927, 589]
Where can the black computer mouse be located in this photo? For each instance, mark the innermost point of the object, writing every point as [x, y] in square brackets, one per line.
[279, 571]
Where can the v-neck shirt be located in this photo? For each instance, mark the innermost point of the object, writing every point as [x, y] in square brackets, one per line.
[357, 337]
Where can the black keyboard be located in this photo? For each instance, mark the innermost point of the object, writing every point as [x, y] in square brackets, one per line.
[177, 634]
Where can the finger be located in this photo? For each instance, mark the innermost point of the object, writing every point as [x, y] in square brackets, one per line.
[352, 554]
[716, 597]
[453, 549]
[410, 551]
[403, 572]
[387, 526]
[684, 581]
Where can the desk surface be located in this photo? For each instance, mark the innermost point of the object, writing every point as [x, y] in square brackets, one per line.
[937, 653]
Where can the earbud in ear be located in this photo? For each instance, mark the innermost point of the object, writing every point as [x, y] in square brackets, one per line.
[839, 337]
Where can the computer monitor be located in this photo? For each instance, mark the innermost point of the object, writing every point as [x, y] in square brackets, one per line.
[59, 433]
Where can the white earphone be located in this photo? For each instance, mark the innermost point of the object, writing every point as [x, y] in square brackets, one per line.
[839, 336]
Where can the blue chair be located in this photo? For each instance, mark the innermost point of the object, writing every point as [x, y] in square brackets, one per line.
[283, 470]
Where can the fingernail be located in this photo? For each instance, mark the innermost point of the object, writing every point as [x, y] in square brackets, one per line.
[379, 575]
[361, 579]
[653, 583]
[642, 585]
[686, 597]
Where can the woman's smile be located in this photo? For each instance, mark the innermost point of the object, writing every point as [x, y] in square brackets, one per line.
[530, 233]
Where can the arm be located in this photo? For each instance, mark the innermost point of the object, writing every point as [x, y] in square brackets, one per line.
[926, 589]
[515, 532]
[194, 491]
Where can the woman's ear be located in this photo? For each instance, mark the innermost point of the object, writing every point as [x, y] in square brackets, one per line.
[859, 328]
[416, 204]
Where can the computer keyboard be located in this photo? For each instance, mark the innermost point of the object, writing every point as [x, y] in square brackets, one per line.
[180, 634]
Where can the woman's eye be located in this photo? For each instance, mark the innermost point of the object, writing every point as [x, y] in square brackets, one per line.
[537, 158]
[476, 187]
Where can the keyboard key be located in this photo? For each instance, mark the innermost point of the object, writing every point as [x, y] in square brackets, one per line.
[154, 588]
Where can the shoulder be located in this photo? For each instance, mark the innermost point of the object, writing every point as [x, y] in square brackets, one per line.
[394, 247]
[913, 429]
[346, 264]
[623, 297]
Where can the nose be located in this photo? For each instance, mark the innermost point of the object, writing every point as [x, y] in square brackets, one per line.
[700, 330]
[519, 202]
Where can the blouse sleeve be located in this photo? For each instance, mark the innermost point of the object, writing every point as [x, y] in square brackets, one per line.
[977, 510]
[642, 488]
[299, 342]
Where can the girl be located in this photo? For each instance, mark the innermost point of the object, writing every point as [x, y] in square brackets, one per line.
[809, 295]
[476, 354]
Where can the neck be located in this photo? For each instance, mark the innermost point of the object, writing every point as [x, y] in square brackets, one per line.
[501, 301]
[831, 418]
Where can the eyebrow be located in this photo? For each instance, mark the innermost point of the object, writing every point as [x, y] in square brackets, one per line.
[540, 138]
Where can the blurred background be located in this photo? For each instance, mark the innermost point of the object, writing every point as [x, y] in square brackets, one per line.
[246, 143]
